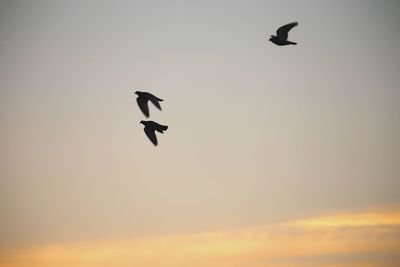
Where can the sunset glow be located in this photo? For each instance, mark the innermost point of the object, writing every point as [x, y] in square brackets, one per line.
[276, 154]
[337, 236]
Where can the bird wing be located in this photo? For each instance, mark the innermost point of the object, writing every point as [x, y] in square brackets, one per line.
[283, 31]
[151, 135]
[142, 103]
[155, 100]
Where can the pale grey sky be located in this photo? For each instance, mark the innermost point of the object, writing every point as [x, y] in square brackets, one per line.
[257, 133]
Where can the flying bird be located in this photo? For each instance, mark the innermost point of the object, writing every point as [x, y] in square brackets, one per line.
[281, 37]
[143, 99]
[150, 127]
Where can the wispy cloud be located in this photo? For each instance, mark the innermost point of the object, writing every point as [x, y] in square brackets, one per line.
[359, 239]
[353, 220]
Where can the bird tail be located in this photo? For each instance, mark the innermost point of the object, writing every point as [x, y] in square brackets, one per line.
[161, 128]
[155, 102]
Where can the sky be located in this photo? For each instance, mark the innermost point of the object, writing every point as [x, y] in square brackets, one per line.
[264, 142]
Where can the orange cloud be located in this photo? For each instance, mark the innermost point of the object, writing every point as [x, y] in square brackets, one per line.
[352, 220]
[335, 240]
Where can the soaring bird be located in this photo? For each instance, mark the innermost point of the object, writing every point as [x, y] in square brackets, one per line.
[281, 37]
[150, 127]
[142, 100]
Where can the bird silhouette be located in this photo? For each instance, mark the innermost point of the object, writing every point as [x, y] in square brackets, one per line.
[143, 99]
[150, 127]
[281, 37]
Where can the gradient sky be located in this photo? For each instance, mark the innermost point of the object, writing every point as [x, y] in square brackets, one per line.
[258, 134]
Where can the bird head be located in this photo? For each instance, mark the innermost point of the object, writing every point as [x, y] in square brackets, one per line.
[142, 122]
[272, 37]
[137, 92]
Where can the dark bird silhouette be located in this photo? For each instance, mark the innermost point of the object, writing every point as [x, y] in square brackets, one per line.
[143, 99]
[281, 37]
[150, 127]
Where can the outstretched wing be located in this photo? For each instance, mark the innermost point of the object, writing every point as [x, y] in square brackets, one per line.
[283, 31]
[151, 135]
[142, 103]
